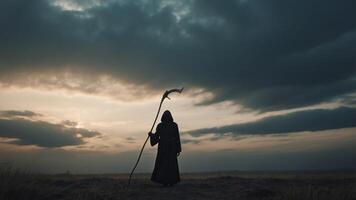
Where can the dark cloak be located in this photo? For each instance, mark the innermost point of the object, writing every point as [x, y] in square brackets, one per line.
[166, 169]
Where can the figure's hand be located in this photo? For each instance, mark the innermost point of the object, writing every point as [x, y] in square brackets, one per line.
[178, 154]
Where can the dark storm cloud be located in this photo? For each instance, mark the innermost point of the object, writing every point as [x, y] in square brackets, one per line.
[349, 100]
[190, 141]
[69, 123]
[18, 113]
[200, 140]
[309, 120]
[265, 55]
[42, 133]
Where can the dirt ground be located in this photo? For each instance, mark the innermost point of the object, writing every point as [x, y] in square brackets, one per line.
[222, 185]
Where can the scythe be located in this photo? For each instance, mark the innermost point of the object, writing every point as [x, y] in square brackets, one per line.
[165, 95]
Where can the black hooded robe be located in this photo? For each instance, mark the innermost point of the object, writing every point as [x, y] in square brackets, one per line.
[166, 169]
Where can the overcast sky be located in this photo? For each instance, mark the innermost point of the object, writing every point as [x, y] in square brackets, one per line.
[269, 85]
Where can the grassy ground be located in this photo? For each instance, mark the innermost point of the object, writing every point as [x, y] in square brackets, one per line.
[15, 184]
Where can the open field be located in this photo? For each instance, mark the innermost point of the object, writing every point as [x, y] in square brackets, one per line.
[219, 185]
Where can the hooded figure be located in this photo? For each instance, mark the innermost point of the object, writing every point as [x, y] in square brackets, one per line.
[166, 169]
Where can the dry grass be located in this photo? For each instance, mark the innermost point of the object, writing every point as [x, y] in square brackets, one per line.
[17, 184]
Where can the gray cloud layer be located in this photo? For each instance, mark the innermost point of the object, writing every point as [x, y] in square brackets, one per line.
[340, 156]
[309, 120]
[265, 55]
[18, 113]
[40, 133]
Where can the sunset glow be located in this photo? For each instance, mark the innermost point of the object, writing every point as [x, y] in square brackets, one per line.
[80, 85]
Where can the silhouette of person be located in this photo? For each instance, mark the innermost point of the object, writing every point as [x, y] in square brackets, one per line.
[166, 169]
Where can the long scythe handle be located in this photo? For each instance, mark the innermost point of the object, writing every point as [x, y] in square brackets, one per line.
[165, 95]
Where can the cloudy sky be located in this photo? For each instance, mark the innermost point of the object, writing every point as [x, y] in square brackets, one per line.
[269, 85]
